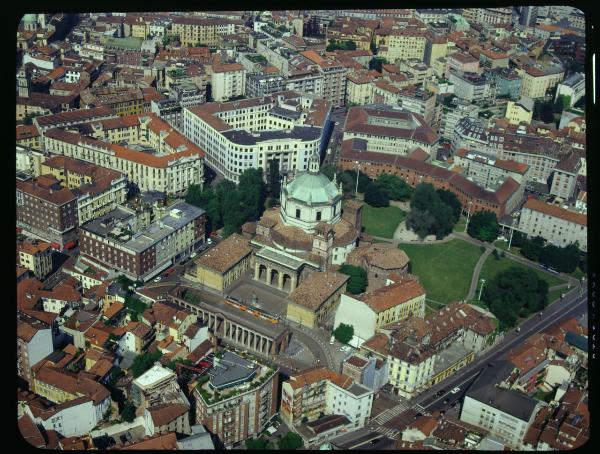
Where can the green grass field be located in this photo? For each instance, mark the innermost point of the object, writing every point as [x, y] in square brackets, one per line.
[492, 266]
[444, 269]
[382, 221]
[460, 225]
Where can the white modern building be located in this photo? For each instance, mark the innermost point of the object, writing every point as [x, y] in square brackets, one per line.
[573, 87]
[555, 224]
[237, 135]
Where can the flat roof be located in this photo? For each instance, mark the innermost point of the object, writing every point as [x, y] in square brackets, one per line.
[231, 370]
[153, 375]
[121, 220]
[299, 132]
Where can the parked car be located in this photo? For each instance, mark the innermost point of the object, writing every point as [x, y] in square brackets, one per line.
[455, 390]
[157, 279]
[193, 254]
[209, 241]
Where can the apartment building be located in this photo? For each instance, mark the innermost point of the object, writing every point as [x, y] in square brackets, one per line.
[403, 44]
[156, 157]
[504, 413]
[34, 343]
[506, 82]
[359, 87]
[390, 130]
[573, 87]
[461, 62]
[520, 111]
[322, 390]
[537, 80]
[452, 114]
[46, 210]
[436, 46]
[488, 171]
[228, 79]
[418, 101]
[306, 82]
[114, 242]
[422, 352]
[286, 126]
[194, 30]
[258, 85]
[35, 256]
[99, 190]
[372, 310]
[470, 87]
[564, 178]
[556, 225]
[73, 118]
[489, 15]
[415, 171]
[540, 153]
[237, 398]
[334, 77]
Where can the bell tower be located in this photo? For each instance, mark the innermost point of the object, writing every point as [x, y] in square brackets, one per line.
[314, 163]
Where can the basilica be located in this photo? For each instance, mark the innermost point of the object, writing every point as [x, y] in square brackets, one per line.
[310, 231]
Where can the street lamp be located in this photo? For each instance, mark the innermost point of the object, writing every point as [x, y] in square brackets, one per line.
[481, 289]
[512, 228]
[468, 214]
[357, 174]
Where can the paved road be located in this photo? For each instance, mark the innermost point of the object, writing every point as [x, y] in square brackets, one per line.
[476, 271]
[574, 303]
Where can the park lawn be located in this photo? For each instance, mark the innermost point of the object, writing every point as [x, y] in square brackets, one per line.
[492, 266]
[444, 269]
[555, 294]
[383, 221]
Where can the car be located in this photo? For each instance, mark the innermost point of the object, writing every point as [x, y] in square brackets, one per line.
[332, 341]
[209, 241]
[441, 392]
[341, 349]
[455, 390]
[193, 254]
[157, 279]
[446, 400]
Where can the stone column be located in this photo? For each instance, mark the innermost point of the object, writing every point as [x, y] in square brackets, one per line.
[280, 281]
[294, 283]
[256, 271]
[268, 278]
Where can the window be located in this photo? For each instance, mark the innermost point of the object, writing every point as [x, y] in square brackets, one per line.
[318, 215]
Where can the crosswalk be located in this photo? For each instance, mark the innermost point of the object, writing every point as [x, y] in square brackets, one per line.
[388, 432]
[390, 413]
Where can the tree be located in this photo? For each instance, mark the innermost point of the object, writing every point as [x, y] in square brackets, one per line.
[358, 278]
[375, 196]
[344, 333]
[429, 213]
[376, 63]
[291, 441]
[373, 47]
[394, 187]
[274, 179]
[563, 259]
[450, 199]
[363, 180]
[515, 292]
[532, 249]
[483, 225]
[128, 412]
[258, 443]
[143, 362]
[329, 170]
[253, 193]
[562, 102]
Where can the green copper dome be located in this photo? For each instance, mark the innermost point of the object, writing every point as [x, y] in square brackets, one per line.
[310, 187]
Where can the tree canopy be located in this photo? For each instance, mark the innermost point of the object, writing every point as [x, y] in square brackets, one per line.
[375, 196]
[340, 45]
[430, 214]
[344, 333]
[291, 441]
[483, 225]
[394, 187]
[229, 205]
[358, 278]
[376, 63]
[513, 293]
[450, 199]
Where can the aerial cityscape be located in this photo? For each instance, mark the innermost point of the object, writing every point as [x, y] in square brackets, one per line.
[302, 229]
